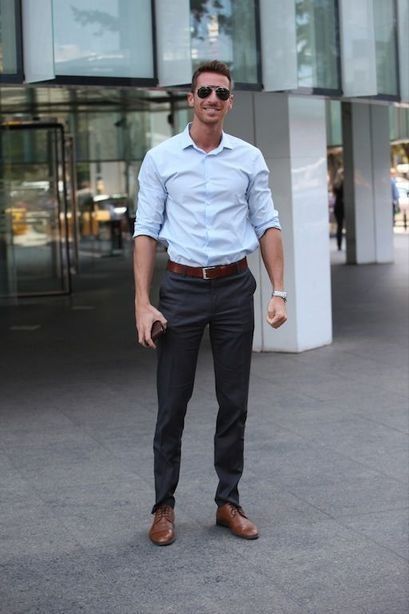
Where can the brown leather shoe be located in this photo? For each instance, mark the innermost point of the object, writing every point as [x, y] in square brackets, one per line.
[234, 518]
[162, 531]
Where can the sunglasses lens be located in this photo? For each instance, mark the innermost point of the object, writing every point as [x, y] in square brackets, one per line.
[223, 93]
[204, 92]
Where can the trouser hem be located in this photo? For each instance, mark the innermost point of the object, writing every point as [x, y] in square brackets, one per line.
[155, 507]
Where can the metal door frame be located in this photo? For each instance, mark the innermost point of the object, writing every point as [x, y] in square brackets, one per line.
[60, 159]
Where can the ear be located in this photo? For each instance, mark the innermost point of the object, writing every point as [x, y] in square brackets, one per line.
[231, 102]
[190, 99]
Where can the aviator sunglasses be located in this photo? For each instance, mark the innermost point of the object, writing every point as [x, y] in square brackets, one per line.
[221, 92]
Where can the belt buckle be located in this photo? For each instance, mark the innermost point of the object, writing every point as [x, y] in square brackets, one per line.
[205, 270]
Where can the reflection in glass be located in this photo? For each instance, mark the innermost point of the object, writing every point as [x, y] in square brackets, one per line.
[119, 136]
[8, 55]
[385, 40]
[103, 38]
[107, 123]
[226, 30]
[334, 123]
[399, 125]
[317, 48]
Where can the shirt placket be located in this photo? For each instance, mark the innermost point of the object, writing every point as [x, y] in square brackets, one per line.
[206, 204]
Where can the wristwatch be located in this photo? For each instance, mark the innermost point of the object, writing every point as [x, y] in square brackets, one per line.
[281, 293]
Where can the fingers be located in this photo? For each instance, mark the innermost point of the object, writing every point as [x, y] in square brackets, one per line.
[144, 326]
[144, 335]
[276, 314]
[277, 321]
[145, 339]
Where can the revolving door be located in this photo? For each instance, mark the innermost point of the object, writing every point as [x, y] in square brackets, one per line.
[37, 213]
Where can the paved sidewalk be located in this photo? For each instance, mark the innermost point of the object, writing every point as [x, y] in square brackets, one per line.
[326, 476]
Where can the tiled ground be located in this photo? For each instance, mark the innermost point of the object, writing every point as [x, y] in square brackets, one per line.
[326, 463]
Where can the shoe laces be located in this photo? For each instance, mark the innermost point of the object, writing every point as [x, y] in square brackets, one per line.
[236, 509]
[164, 511]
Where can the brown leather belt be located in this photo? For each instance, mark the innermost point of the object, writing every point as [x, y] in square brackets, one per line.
[208, 272]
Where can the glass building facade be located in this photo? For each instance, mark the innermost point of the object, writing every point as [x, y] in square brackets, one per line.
[10, 41]
[229, 31]
[386, 47]
[104, 39]
[118, 42]
[318, 44]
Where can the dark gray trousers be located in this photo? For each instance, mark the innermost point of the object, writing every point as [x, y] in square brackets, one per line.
[189, 305]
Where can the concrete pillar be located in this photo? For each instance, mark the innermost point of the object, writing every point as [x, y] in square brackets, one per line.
[367, 190]
[291, 133]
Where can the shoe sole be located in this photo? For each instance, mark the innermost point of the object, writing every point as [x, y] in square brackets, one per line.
[226, 526]
[163, 543]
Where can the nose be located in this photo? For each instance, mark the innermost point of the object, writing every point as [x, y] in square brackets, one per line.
[213, 96]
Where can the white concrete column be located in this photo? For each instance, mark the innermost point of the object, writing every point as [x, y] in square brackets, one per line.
[367, 190]
[291, 133]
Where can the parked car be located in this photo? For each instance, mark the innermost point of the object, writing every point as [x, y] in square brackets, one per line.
[110, 207]
[102, 213]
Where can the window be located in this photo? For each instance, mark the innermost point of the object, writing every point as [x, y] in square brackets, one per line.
[227, 31]
[385, 40]
[10, 42]
[103, 38]
[317, 44]
[334, 123]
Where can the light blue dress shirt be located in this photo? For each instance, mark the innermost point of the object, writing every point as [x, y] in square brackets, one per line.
[206, 208]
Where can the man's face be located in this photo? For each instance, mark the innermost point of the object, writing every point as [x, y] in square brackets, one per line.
[210, 110]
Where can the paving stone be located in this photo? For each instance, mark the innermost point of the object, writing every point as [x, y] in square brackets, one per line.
[389, 529]
[325, 472]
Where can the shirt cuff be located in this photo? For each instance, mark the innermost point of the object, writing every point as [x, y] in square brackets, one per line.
[146, 231]
[260, 230]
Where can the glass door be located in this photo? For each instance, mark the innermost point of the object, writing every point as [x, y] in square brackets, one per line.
[35, 228]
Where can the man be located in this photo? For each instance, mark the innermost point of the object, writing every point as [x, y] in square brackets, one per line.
[339, 208]
[205, 195]
[395, 195]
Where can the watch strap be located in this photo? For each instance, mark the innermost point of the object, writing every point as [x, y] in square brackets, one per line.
[280, 293]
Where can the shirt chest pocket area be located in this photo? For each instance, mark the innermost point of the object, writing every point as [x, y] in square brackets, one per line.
[228, 187]
[207, 184]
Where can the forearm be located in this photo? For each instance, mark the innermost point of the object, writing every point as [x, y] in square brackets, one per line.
[145, 312]
[144, 266]
[271, 246]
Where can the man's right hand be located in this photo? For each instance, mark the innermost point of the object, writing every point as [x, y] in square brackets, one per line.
[145, 317]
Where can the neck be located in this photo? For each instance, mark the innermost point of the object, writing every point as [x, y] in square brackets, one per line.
[206, 137]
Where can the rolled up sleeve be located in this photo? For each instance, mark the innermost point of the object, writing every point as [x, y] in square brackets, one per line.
[151, 202]
[262, 213]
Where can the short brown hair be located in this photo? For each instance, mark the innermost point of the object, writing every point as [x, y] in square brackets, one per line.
[213, 66]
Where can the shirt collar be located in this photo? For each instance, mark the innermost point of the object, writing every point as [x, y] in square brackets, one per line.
[187, 141]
